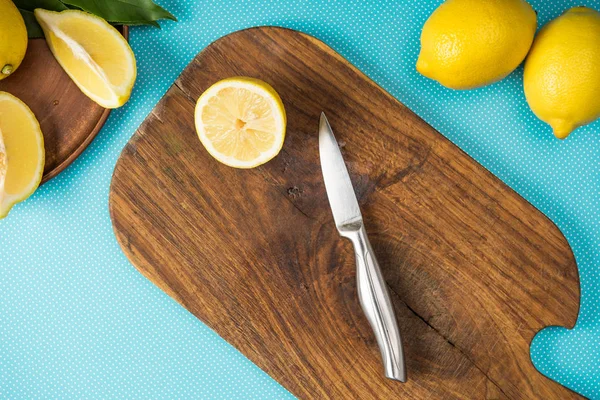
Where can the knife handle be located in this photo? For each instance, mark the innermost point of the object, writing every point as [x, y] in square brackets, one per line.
[377, 306]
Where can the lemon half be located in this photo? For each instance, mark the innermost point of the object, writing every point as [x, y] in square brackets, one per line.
[241, 122]
[92, 52]
[21, 152]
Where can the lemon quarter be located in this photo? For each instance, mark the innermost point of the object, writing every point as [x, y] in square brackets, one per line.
[241, 122]
[92, 52]
[21, 152]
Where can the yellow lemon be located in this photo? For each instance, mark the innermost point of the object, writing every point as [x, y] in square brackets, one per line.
[13, 38]
[21, 152]
[241, 122]
[471, 43]
[562, 71]
[92, 52]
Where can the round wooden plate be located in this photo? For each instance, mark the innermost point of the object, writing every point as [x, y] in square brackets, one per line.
[68, 118]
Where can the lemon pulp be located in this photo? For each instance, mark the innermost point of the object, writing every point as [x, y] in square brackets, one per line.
[93, 53]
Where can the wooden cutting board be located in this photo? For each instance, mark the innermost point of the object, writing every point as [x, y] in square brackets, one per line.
[475, 271]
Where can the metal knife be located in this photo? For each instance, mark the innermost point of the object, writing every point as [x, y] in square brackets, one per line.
[372, 291]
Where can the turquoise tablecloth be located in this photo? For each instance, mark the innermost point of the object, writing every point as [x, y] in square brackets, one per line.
[78, 321]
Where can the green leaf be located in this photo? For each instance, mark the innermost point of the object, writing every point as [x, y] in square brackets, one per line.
[136, 23]
[30, 5]
[33, 28]
[124, 11]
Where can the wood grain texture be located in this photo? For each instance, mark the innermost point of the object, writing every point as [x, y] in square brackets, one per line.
[475, 271]
[68, 118]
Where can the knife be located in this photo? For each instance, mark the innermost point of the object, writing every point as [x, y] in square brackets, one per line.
[372, 291]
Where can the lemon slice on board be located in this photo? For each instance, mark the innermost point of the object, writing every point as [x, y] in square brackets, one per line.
[241, 122]
[21, 152]
[92, 52]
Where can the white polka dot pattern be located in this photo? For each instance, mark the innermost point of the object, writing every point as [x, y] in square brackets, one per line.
[78, 321]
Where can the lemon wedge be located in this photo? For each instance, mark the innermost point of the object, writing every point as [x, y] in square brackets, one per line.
[21, 152]
[92, 52]
[241, 122]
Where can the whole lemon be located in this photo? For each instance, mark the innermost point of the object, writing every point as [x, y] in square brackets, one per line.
[562, 71]
[472, 43]
[13, 38]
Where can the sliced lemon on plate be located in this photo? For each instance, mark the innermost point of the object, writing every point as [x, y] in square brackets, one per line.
[92, 52]
[21, 152]
[241, 122]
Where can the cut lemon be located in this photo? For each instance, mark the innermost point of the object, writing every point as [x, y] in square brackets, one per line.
[21, 152]
[92, 52]
[241, 122]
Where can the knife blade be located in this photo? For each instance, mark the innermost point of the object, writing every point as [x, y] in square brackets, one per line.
[340, 191]
[372, 291]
